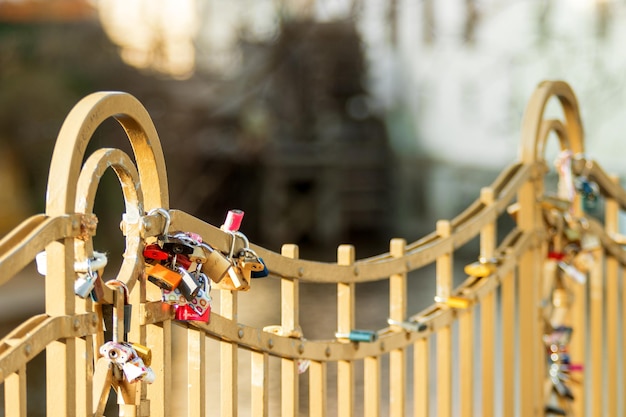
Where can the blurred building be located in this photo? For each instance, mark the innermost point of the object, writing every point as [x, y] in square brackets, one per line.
[319, 118]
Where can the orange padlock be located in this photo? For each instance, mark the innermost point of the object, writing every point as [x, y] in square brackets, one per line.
[162, 276]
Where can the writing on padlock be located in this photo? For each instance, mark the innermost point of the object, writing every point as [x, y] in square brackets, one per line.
[129, 361]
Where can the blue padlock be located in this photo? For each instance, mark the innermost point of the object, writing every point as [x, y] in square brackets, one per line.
[262, 273]
[359, 336]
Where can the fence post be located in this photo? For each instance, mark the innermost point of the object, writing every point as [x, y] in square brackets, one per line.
[444, 335]
[345, 324]
[397, 311]
[488, 313]
[290, 322]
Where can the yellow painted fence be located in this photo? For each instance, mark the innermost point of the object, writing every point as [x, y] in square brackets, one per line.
[535, 329]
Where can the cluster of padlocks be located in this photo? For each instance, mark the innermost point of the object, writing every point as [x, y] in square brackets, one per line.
[571, 256]
[184, 266]
[560, 367]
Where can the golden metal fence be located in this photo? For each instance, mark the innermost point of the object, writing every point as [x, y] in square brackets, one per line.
[534, 329]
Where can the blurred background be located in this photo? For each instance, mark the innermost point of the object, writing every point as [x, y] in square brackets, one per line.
[326, 121]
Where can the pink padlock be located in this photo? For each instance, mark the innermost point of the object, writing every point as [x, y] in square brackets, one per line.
[233, 220]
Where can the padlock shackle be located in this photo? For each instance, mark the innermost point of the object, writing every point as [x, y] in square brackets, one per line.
[166, 216]
[246, 243]
[117, 283]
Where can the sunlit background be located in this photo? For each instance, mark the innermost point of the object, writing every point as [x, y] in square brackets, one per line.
[326, 121]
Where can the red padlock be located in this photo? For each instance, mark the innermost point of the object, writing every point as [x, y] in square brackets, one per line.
[181, 260]
[186, 312]
[154, 252]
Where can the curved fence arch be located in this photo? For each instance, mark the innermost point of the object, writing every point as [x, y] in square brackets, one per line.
[524, 333]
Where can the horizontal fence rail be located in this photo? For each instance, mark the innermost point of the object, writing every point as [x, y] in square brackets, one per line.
[534, 326]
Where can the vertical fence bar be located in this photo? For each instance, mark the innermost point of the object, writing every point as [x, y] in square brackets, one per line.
[196, 373]
[317, 389]
[611, 221]
[622, 298]
[138, 333]
[15, 393]
[596, 341]
[228, 358]
[531, 355]
[372, 386]
[466, 362]
[488, 313]
[259, 366]
[290, 322]
[421, 376]
[60, 301]
[159, 339]
[507, 301]
[444, 335]
[345, 323]
[84, 367]
[397, 357]
[578, 345]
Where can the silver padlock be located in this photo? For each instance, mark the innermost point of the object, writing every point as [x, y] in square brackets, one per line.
[88, 274]
[85, 283]
[188, 285]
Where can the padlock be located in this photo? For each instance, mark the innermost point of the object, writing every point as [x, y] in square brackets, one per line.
[89, 275]
[187, 313]
[409, 326]
[156, 253]
[202, 300]
[174, 297]
[589, 191]
[117, 352]
[188, 285]
[144, 352]
[216, 266]
[453, 301]
[233, 220]
[262, 273]
[245, 262]
[572, 272]
[177, 243]
[85, 283]
[162, 276]
[483, 268]
[128, 308]
[181, 260]
[359, 336]
[235, 280]
[247, 265]
[125, 357]
[198, 255]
